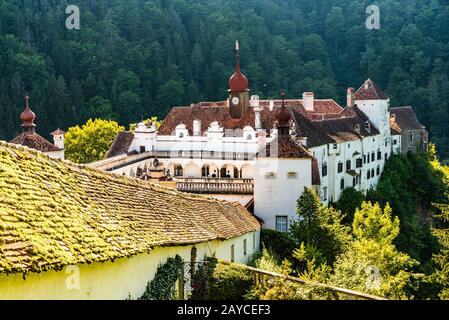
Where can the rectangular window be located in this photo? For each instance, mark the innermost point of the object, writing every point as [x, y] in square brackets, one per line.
[335, 146]
[342, 184]
[232, 254]
[373, 156]
[282, 223]
[292, 175]
[245, 252]
[325, 194]
[340, 167]
[254, 241]
[364, 158]
[411, 136]
[324, 169]
[142, 149]
[359, 163]
[378, 170]
[379, 155]
[348, 165]
[368, 175]
[270, 175]
[372, 173]
[395, 142]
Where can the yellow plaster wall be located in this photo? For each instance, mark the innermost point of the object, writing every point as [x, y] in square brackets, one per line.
[122, 279]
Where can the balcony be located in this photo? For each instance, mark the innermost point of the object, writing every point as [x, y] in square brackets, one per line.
[215, 185]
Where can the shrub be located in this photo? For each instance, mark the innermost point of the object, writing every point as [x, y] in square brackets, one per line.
[278, 243]
[162, 287]
[221, 281]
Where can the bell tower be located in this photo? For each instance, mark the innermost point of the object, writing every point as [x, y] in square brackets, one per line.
[238, 89]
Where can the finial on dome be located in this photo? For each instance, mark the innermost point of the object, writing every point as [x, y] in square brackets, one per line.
[283, 117]
[28, 116]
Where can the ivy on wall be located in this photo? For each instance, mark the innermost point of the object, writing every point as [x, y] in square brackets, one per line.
[162, 287]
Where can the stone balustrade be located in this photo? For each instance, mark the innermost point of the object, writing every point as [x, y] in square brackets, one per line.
[215, 185]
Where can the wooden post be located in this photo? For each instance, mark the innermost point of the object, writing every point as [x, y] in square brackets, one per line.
[181, 286]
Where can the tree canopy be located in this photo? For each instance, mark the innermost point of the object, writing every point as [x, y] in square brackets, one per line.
[91, 141]
[136, 58]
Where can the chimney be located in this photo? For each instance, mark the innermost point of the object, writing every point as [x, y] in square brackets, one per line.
[303, 141]
[271, 105]
[308, 100]
[255, 104]
[58, 139]
[196, 127]
[350, 97]
[254, 101]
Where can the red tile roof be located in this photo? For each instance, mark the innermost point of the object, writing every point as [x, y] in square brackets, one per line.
[285, 147]
[207, 112]
[370, 91]
[58, 132]
[34, 141]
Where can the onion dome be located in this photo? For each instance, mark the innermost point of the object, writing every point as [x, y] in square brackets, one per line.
[283, 116]
[238, 81]
[27, 116]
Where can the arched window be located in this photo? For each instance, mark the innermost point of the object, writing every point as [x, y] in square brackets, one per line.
[223, 172]
[178, 171]
[205, 171]
[236, 173]
[249, 137]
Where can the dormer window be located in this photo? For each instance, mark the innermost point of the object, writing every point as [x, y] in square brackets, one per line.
[368, 126]
[181, 135]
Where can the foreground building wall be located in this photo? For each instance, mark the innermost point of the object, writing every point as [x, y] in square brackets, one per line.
[125, 278]
[277, 184]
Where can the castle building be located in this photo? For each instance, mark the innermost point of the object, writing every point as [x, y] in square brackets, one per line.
[414, 136]
[31, 139]
[264, 152]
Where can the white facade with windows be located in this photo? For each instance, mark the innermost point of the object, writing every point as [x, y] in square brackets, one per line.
[204, 149]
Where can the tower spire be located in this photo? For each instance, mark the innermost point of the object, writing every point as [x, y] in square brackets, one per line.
[237, 56]
[283, 117]
[28, 117]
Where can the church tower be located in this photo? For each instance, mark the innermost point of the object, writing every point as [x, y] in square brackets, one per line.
[238, 89]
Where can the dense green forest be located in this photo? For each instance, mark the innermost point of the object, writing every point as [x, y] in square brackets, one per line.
[137, 58]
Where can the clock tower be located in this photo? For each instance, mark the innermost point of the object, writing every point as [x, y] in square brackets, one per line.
[238, 89]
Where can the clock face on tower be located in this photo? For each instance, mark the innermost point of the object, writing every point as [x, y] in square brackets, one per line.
[235, 100]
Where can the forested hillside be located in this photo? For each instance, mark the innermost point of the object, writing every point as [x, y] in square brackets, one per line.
[137, 58]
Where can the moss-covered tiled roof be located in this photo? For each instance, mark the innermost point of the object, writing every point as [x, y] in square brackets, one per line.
[54, 213]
